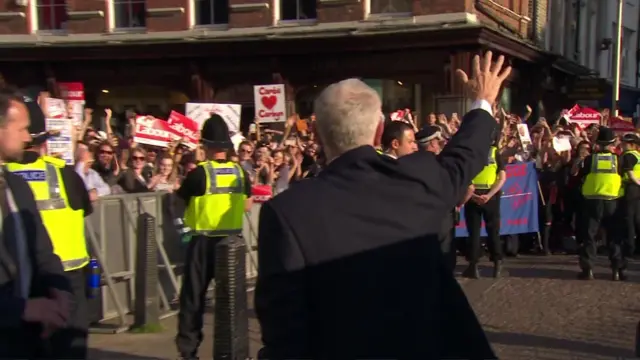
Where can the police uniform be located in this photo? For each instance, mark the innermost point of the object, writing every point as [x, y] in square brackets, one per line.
[448, 243]
[214, 194]
[602, 189]
[630, 162]
[490, 212]
[63, 202]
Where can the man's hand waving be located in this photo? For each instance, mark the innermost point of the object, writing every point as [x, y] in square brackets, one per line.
[487, 77]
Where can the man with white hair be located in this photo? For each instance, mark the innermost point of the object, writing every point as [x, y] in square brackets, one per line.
[350, 265]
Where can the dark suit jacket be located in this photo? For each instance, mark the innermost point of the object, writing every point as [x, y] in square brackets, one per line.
[350, 264]
[47, 268]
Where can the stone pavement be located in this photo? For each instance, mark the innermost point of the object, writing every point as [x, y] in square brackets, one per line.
[537, 311]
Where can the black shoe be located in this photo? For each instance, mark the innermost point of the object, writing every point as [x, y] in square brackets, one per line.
[623, 276]
[615, 275]
[497, 269]
[586, 275]
[471, 272]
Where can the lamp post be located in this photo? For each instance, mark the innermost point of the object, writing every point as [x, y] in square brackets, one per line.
[616, 62]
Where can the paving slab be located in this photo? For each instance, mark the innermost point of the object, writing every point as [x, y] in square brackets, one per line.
[538, 310]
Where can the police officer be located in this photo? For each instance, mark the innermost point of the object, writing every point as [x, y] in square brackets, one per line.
[430, 139]
[398, 139]
[63, 202]
[485, 204]
[216, 194]
[630, 163]
[601, 189]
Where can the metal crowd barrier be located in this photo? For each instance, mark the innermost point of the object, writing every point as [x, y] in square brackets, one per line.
[113, 236]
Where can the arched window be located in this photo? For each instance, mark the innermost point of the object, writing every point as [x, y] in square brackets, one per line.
[52, 14]
[130, 13]
[212, 12]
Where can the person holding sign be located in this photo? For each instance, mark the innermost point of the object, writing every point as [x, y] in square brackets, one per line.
[602, 189]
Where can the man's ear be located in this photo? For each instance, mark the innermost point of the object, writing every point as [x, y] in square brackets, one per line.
[377, 140]
[395, 144]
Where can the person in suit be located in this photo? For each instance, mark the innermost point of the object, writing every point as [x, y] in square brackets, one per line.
[35, 294]
[360, 274]
[63, 202]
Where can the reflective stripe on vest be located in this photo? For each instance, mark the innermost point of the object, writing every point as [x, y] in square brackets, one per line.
[489, 174]
[636, 167]
[603, 181]
[64, 225]
[220, 211]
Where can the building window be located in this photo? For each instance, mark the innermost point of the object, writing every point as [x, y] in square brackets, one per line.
[52, 14]
[130, 13]
[391, 6]
[625, 53]
[297, 9]
[212, 12]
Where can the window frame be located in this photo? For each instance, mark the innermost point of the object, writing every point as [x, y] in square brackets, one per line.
[114, 7]
[369, 14]
[211, 25]
[38, 21]
[296, 21]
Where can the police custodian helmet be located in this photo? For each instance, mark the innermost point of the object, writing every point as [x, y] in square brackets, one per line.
[215, 133]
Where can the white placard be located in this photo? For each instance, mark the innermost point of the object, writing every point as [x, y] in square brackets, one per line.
[56, 108]
[62, 144]
[270, 103]
[523, 134]
[561, 144]
[200, 112]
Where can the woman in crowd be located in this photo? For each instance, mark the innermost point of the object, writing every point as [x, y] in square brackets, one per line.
[133, 179]
[166, 179]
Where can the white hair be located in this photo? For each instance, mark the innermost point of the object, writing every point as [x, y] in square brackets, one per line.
[347, 116]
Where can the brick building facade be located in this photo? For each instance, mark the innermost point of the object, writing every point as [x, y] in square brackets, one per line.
[206, 47]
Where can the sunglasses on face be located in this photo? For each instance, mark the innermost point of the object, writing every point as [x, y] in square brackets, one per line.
[106, 152]
[245, 150]
[138, 158]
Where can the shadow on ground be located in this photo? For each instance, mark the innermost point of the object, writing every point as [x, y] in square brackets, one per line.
[97, 354]
[542, 273]
[549, 343]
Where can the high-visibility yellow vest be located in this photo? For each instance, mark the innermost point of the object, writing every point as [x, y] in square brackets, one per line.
[64, 225]
[636, 168]
[220, 210]
[379, 152]
[603, 181]
[489, 174]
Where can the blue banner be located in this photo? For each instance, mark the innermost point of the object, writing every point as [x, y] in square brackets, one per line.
[519, 203]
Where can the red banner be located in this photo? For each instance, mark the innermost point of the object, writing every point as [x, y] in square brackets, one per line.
[583, 116]
[185, 128]
[261, 193]
[622, 126]
[152, 131]
[72, 90]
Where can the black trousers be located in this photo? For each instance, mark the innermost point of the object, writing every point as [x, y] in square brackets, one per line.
[448, 243]
[198, 272]
[610, 214]
[632, 217]
[474, 214]
[71, 342]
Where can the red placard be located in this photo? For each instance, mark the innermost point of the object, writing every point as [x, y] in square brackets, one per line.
[261, 193]
[72, 90]
[185, 128]
[152, 131]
